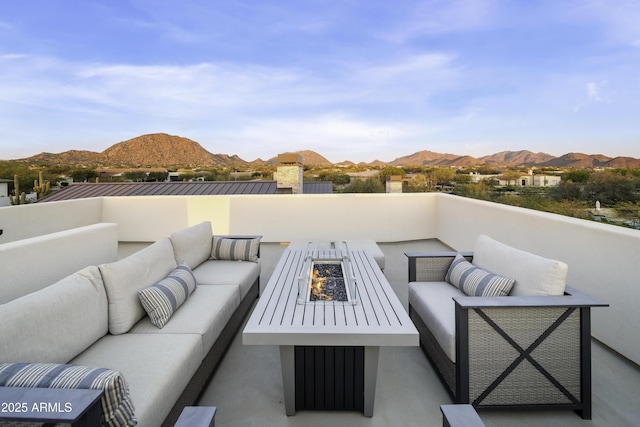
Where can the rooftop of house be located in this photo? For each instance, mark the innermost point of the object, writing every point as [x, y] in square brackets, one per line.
[196, 188]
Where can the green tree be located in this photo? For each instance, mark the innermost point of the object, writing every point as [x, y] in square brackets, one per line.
[136, 176]
[566, 190]
[577, 176]
[391, 171]
[608, 187]
[83, 175]
[157, 176]
[370, 185]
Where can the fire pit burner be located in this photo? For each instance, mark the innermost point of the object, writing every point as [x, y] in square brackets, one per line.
[327, 277]
[327, 282]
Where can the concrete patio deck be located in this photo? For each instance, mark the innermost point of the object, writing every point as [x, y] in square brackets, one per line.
[247, 388]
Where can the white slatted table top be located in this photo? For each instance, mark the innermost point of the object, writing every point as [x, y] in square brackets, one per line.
[377, 319]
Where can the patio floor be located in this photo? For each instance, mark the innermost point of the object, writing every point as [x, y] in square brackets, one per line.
[247, 388]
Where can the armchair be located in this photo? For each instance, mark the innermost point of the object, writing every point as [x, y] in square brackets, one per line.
[517, 351]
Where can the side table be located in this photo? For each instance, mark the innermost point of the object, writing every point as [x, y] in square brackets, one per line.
[78, 407]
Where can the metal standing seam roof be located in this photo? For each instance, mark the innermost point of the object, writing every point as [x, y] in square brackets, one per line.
[199, 188]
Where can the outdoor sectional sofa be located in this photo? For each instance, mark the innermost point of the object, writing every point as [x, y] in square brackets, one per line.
[502, 328]
[95, 318]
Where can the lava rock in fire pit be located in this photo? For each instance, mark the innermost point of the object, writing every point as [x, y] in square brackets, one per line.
[327, 283]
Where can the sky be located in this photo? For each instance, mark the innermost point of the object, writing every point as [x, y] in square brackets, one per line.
[355, 80]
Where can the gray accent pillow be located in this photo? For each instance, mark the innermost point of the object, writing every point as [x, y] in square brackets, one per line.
[235, 249]
[475, 281]
[161, 300]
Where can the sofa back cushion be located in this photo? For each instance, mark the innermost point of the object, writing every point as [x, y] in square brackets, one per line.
[123, 279]
[56, 323]
[192, 245]
[533, 274]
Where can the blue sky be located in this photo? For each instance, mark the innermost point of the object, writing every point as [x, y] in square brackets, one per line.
[350, 79]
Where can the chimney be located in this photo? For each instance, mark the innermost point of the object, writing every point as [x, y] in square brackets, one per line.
[289, 173]
[394, 184]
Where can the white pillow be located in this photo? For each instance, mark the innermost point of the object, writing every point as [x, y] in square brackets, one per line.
[534, 275]
[123, 279]
[192, 245]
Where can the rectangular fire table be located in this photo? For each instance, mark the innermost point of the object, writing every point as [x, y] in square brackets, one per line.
[329, 349]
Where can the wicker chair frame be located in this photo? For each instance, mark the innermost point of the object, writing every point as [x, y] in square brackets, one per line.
[512, 352]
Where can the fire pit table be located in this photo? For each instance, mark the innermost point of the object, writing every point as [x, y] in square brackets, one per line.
[329, 311]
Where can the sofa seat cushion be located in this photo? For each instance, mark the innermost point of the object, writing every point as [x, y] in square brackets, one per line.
[163, 299]
[117, 409]
[156, 367]
[123, 279]
[192, 245]
[56, 323]
[433, 302]
[205, 313]
[533, 274]
[221, 272]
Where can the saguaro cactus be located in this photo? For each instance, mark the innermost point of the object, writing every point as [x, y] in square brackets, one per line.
[41, 187]
[18, 198]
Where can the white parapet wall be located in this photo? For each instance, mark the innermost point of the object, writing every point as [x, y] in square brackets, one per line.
[603, 259]
[278, 218]
[35, 219]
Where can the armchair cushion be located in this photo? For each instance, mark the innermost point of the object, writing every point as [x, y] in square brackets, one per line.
[235, 249]
[475, 281]
[161, 300]
[533, 274]
[117, 408]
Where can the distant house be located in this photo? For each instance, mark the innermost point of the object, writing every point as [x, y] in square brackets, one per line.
[4, 192]
[526, 180]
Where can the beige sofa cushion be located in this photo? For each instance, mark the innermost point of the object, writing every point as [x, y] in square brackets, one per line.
[205, 313]
[192, 245]
[220, 272]
[156, 367]
[56, 323]
[123, 279]
[534, 274]
[433, 302]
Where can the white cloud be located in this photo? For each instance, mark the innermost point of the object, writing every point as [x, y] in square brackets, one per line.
[595, 91]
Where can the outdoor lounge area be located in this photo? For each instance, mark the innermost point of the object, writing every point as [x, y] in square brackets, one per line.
[247, 387]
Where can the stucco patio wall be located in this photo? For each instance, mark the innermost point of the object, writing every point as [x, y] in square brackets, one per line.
[603, 259]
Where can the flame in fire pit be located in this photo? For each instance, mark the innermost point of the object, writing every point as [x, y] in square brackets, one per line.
[327, 283]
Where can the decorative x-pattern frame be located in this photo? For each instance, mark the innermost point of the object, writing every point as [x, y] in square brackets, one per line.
[536, 356]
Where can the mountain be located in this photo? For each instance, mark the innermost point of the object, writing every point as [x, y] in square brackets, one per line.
[160, 149]
[157, 149]
[581, 160]
[309, 157]
[425, 158]
[71, 157]
[166, 150]
[516, 158]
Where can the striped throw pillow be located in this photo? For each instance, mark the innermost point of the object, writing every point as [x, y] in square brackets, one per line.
[235, 249]
[161, 300]
[475, 281]
[117, 408]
